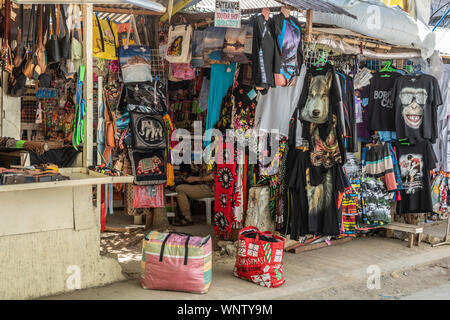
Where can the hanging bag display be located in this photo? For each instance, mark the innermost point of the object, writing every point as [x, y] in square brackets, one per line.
[64, 41]
[76, 46]
[40, 53]
[135, 60]
[52, 45]
[105, 41]
[259, 257]
[176, 261]
[20, 46]
[179, 44]
[28, 68]
[6, 49]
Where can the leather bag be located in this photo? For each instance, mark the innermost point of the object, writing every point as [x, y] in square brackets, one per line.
[30, 63]
[52, 46]
[40, 53]
[64, 41]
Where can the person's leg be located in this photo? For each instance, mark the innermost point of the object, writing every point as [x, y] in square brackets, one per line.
[186, 191]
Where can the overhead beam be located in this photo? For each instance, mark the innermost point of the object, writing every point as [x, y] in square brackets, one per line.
[128, 11]
[105, 2]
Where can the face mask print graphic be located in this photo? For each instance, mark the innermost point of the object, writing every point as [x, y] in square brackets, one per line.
[413, 101]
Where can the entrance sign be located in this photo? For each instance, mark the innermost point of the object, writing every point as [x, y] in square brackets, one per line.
[228, 14]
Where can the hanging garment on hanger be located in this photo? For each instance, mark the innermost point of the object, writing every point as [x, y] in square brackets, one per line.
[322, 116]
[378, 164]
[416, 161]
[263, 52]
[222, 77]
[274, 109]
[381, 111]
[416, 101]
[442, 145]
[288, 53]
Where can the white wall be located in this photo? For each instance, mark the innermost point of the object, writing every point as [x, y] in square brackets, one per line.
[45, 232]
[10, 112]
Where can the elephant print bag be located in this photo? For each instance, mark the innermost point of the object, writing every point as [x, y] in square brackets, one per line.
[148, 131]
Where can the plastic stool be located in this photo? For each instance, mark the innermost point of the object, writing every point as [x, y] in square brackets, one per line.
[208, 210]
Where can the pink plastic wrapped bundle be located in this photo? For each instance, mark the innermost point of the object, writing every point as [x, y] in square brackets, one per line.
[176, 261]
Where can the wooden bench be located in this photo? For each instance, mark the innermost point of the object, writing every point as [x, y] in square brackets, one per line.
[411, 230]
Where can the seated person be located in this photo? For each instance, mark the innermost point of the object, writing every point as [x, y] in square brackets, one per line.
[194, 187]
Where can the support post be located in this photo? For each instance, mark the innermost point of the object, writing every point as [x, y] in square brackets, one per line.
[88, 145]
[309, 25]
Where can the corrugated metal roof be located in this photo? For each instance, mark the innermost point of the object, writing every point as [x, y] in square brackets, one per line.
[315, 5]
[209, 5]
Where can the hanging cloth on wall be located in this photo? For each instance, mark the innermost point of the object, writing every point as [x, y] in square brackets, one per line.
[224, 192]
[78, 130]
[222, 77]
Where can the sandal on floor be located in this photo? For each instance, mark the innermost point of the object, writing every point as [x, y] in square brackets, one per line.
[182, 222]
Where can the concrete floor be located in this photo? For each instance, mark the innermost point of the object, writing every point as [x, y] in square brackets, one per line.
[304, 273]
[436, 293]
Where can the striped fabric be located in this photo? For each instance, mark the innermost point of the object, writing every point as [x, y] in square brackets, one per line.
[172, 273]
[378, 164]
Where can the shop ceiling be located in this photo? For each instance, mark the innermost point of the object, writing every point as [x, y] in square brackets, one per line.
[119, 11]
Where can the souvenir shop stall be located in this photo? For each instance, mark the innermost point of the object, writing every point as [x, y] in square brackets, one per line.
[357, 118]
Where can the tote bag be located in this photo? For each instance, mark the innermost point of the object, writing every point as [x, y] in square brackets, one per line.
[135, 60]
[105, 39]
[176, 261]
[260, 257]
[179, 44]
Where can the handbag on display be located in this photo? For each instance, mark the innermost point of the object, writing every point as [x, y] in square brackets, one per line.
[6, 49]
[179, 44]
[146, 97]
[76, 46]
[64, 41]
[183, 71]
[40, 52]
[20, 46]
[148, 131]
[148, 167]
[52, 46]
[17, 80]
[30, 63]
[135, 60]
[105, 38]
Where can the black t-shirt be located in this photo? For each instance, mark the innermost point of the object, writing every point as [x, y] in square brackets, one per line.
[415, 162]
[381, 112]
[416, 102]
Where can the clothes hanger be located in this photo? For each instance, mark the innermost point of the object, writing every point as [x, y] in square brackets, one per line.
[387, 67]
[321, 60]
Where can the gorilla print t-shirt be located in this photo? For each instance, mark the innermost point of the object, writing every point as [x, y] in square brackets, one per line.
[415, 163]
[381, 112]
[416, 102]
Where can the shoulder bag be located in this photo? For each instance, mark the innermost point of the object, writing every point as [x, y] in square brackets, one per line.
[52, 45]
